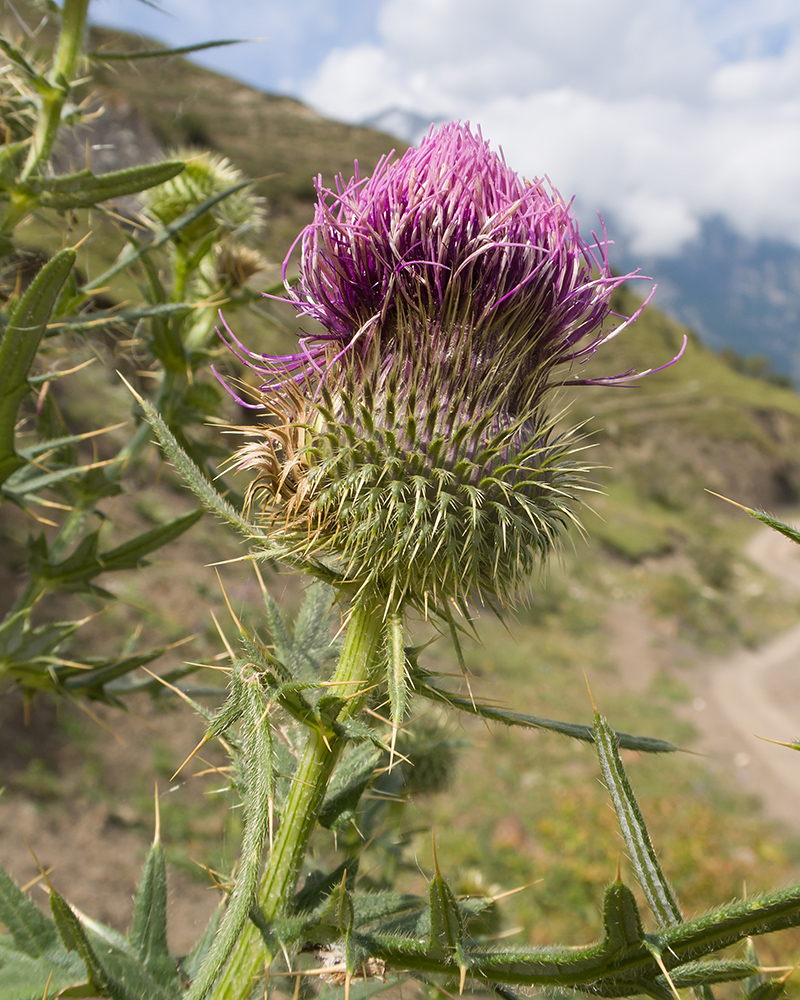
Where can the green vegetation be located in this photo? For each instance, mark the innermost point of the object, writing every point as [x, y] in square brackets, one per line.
[521, 804]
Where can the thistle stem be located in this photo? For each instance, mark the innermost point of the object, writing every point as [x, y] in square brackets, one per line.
[353, 677]
[70, 44]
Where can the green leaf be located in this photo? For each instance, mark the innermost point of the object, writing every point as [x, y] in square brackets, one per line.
[311, 642]
[709, 971]
[111, 970]
[76, 572]
[99, 56]
[28, 481]
[447, 928]
[85, 189]
[320, 884]
[15, 55]
[640, 849]
[728, 924]
[258, 758]
[24, 978]
[30, 930]
[20, 643]
[7, 154]
[765, 518]
[190, 473]
[95, 680]
[420, 685]
[770, 990]
[112, 317]
[149, 934]
[349, 782]
[130, 555]
[20, 342]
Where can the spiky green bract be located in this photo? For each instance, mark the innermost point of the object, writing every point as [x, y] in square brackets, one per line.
[422, 503]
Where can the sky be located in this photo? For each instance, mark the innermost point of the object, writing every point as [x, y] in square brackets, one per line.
[658, 114]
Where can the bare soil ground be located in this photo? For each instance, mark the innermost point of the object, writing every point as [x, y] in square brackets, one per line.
[753, 696]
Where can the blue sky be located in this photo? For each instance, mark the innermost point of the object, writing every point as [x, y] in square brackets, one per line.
[659, 114]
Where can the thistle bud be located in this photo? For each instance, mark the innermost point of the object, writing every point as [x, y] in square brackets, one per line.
[414, 446]
[205, 175]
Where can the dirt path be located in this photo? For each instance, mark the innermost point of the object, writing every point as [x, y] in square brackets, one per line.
[757, 693]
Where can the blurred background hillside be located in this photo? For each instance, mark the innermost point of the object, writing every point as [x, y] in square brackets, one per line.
[659, 598]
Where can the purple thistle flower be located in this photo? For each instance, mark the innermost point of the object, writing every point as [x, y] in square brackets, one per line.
[414, 448]
[447, 252]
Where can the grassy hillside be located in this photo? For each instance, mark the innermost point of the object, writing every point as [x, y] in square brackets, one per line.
[659, 551]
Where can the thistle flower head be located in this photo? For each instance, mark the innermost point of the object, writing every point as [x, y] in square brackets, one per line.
[452, 296]
[205, 175]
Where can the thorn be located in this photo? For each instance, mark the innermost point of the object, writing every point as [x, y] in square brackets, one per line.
[462, 978]
[82, 240]
[42, 873]
[135, 394]
[778, 743]
[196, 750]
[728, 500]
[513, 892]
[260, 579]
[33, 881]
[656, 955]
[435, 855]
[236, 621]
[591, 697]
[47, 986]
[391, 749]
[157, 830]
[225, 642]
[166, 683]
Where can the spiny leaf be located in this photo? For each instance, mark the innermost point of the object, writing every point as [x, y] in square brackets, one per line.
[711, 971]
[101, 675]
[149, 932]
[85, 189]
[447, 928]
[20, 341]
[769, 519]
[645, 744]
[350, 780]
[112, 317]
[99, 55]
[648, 871]
[30, 930]
[191, 474]
[258, 753]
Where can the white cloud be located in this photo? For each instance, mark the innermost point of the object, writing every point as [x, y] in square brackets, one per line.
[291, 36]
[660, 114]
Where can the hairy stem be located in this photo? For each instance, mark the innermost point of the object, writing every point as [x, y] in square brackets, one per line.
[70, 43]
[354, 675]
